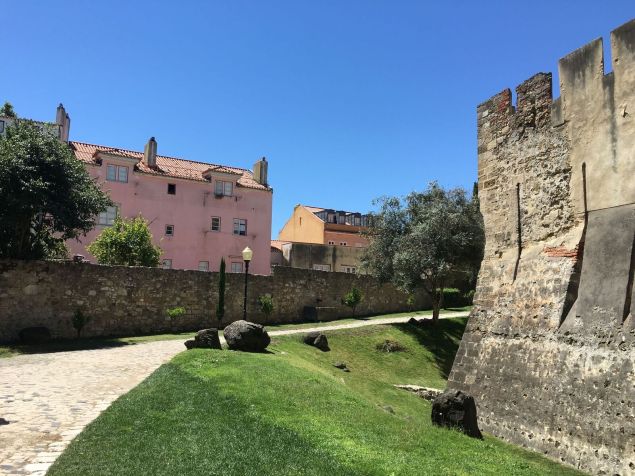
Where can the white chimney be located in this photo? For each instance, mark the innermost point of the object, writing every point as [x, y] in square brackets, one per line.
[150, 153]
[260, 171]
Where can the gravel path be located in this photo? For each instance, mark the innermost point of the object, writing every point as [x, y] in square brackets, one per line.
[49, 398]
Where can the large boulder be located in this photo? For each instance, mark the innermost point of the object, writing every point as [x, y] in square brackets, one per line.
[316, 339]
[35, 335]
[246, 336]
[204, 339]
[456, 409]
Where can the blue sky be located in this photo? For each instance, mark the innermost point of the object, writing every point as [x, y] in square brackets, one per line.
[349, 100]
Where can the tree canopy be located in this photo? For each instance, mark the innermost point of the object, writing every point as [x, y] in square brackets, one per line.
[425, 239]
[127, 242]
[46, 194]
[7, 110]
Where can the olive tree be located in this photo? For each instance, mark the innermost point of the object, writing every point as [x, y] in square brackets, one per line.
[46, 194]
[425, 239]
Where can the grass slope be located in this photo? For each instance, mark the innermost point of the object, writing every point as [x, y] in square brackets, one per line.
[69, 345]
[291, 412]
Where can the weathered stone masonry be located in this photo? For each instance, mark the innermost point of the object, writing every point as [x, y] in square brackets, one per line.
[129, 301]
[550, 345]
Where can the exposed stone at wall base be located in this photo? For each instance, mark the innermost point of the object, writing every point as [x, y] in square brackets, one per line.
[128, 301]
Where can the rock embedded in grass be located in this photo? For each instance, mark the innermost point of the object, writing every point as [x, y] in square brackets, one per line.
[204, 339]
[456, 409]
[390, 346]
[342, 366]
[246, 336]
[316, 339]
[426, 393]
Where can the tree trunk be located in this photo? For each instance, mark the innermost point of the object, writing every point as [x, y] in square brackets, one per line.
[436, 305]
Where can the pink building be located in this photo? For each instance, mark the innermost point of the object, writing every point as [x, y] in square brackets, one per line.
[197, 212]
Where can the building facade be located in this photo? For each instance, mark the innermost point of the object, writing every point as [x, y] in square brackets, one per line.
[322, 239]
[198, 212]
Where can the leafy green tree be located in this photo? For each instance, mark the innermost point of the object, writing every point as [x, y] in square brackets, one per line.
[79, 321]
[352, 299]
[425, 240]
[220, 308]
[7, 110]
[127, 242]
[46, 194]
[266, 304]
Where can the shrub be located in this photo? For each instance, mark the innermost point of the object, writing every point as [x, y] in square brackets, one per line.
[469, 297]
[175, 312]
[79, 320]
[352, 298]
[266, 304]
[410, 301]
[453, 297]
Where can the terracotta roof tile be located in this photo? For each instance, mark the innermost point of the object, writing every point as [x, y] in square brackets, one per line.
[166, 166]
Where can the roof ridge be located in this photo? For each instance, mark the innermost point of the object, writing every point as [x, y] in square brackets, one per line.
[164, 156]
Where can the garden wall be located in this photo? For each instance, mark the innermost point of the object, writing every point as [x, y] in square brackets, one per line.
[127, 301]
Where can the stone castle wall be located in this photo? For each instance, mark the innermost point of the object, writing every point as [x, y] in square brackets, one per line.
[128, 301]
[549, 349]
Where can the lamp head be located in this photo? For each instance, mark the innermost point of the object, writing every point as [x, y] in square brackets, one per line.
[247, 254]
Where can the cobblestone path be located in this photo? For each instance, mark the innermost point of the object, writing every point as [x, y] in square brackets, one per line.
[49, 398]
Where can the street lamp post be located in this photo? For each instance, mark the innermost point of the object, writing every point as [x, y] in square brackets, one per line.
[247, 255]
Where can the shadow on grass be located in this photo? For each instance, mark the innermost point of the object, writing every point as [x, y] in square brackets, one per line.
[66, 345]
[442, 340]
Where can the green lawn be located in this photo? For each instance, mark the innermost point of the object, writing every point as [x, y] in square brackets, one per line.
[66, 345]
[290, 412]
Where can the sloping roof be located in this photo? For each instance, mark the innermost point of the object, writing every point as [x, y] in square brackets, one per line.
[314, 209]
[277, 244]
[166, 166]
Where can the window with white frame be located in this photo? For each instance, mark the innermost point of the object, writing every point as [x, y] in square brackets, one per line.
[349, 269]
[343, 243]
[215, 226]
[223, 188]
[107, 218]
[117, 173]
[240, 226]
[331, 242]
[237, 267]
[166, 264]
[203, 265]
[322, 267]
[169, 230]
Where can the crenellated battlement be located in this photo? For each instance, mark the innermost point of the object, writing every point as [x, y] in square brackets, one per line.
[584, 88]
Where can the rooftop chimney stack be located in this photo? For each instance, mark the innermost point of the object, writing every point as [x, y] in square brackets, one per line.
[260, 171]
[150, 153]
[63, 120]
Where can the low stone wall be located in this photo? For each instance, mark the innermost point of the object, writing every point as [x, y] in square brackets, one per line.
[128, 301]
